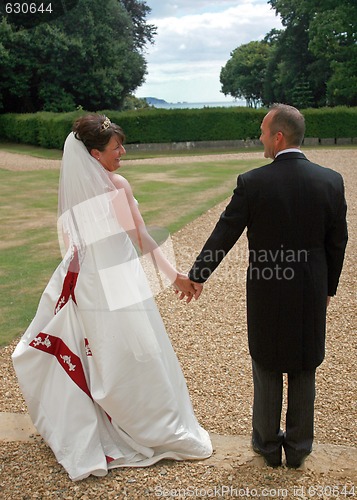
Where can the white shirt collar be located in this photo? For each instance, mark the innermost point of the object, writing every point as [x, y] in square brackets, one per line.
[289, 150]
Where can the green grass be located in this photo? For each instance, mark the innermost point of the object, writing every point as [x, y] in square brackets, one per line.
[169, 195]
[29, 252]
[174, 195]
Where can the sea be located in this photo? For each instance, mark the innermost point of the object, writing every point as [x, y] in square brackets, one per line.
[158, 103]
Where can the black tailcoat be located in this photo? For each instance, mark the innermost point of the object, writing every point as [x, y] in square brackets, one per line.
[295, 214]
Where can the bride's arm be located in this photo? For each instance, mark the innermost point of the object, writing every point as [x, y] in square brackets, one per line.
[133, 222]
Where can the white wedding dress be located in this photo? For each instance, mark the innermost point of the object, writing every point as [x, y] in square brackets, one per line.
[101, 380]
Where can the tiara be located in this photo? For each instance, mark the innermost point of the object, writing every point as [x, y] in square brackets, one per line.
[106, 124]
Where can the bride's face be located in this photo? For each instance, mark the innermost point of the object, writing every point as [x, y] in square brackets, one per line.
[110, 157]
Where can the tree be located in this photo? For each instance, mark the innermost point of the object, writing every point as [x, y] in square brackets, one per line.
[16, 66]
[333, 37]
[317, 49]
[288, 68]
[91, 57]
[244, 74]
[131, 102]
[142, 32]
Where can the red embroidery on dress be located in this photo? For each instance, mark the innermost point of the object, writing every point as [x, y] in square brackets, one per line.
[87, 348]
[69, 361]
[109, 459]
[69, 283]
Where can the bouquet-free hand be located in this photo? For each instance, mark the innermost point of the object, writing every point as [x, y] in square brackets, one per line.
[187, 288]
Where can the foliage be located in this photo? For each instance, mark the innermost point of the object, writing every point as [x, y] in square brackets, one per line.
[131, 103]
[90, 58]
[142, 32]
[287, 75]
[141, 126]
[311, 62]
[333, 37]
[326, 123]
[150, 125]
[244, 73]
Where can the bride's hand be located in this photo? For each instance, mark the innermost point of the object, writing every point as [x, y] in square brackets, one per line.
[188, 288]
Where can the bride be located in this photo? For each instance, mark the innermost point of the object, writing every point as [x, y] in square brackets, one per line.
[100, 378]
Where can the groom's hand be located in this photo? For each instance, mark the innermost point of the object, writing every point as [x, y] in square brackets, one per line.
[188, 288]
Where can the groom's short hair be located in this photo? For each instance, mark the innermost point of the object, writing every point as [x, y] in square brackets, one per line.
[290, 122]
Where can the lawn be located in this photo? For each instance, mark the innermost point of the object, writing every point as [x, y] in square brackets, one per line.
[169, 195]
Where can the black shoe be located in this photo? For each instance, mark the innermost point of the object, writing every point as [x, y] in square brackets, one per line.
[294, 458]
[271, 459]
[297, 462]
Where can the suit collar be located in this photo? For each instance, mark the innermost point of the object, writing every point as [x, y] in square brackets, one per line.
[288, 150]
[290, 155]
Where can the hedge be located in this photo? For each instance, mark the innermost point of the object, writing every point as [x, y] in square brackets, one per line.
[152, 125]
[331, 123]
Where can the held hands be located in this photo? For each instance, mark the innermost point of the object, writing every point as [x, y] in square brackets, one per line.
[188, 288]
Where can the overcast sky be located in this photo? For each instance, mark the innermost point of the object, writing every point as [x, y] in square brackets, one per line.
[194, 40]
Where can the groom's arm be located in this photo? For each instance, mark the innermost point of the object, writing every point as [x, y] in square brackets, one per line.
[336, 241]
[229, 227]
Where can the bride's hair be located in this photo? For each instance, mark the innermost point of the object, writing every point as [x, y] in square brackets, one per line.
[95, 131]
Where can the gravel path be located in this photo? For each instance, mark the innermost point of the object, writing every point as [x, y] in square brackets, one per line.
[210, 339]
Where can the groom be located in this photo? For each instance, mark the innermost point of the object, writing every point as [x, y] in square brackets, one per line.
[295, 215]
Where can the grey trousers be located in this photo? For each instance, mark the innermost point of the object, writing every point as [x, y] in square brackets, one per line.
[267, 435]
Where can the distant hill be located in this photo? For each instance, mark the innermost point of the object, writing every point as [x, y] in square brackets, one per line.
[153, 101]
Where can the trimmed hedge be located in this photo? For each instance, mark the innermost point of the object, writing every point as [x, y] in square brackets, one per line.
[181, 125]
[331, 123]
[149, 126]
[45, 129]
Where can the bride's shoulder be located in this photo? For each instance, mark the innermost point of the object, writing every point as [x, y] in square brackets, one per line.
[120, 182]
